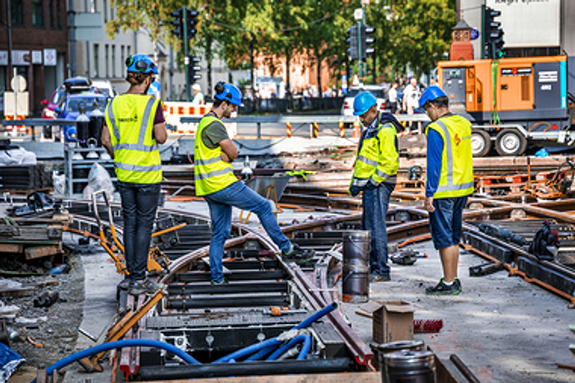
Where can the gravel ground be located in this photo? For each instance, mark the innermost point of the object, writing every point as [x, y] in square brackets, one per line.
[58, 332]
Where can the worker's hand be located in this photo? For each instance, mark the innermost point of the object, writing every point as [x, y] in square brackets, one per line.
[429, 204]
[224, 157]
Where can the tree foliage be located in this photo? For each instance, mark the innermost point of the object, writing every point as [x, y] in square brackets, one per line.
[408, 32]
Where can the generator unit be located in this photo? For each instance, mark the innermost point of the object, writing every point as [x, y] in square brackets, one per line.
[513, 103]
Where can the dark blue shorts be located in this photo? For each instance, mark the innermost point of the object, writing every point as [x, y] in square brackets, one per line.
[446, 221]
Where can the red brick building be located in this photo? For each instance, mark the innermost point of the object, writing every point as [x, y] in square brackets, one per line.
[38, 33]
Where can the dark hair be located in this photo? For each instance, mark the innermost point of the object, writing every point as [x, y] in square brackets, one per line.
[441, 102]
[218, 102]
[136, 78]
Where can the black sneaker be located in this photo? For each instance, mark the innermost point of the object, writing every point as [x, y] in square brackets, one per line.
[222, 281]
[442, 289]
[298, 253]
[144, 287]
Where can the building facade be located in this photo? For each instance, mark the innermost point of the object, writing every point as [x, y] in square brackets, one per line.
[36, 32]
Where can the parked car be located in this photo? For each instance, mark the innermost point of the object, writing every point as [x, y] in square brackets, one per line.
[70, 110]
[104, 87]
[377, 90]
[70, 86]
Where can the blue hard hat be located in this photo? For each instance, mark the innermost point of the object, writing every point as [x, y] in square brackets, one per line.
[431, 93]
[363, 102]
[229, 92]
[141, 64]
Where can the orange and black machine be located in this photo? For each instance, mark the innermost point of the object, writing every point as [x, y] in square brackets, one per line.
[514, 102]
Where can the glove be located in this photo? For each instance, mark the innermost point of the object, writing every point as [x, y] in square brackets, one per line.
[354, 190]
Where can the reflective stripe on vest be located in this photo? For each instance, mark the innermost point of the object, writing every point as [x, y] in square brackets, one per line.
[451, 188]
[369, 170]
[135, 162]
[210, 172]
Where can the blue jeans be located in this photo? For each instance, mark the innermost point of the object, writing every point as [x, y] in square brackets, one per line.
[446, 221]
[375, 205]
[139, 204]
[240, 196]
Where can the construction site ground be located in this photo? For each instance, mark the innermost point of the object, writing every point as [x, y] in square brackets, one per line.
[503, 328]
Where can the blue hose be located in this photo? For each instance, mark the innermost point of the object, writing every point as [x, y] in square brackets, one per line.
[261, 353]
[274, 342]
[119, 344]
[300, 338]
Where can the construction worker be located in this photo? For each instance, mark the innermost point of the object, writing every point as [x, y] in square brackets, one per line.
[215, 181]
[135, 127]
[374, 174]
[449, 182]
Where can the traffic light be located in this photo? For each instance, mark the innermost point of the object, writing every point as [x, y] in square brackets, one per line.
[178, 23]
[493, 34]
[191, 15]
[192, 62]
[353, 41]
[367, 41]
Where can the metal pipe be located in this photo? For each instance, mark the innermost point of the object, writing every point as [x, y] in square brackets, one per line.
[463, 369]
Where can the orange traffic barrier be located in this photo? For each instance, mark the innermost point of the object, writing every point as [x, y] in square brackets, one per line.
[356, 130]
[288, 129]
[341, 129]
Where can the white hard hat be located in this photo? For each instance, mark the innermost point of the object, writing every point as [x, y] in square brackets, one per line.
[197, 87]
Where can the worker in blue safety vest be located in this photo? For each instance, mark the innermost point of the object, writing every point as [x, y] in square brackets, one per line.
[134, 129]
[214, 152]
[449, 182]
[374, 174]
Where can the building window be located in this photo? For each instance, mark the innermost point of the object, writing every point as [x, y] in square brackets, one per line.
[96, 60]
[113, 61]
[129, 51]
[58, 14]
[17, 10]
[51, 13]
[107, 59]
[122, 56]
[93, 6]
[37, 13]
[105, 10]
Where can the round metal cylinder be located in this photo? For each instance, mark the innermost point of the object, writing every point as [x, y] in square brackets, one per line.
[409, 366]
[355, 281]
[96, 126]
[82, 128]
[380, 349]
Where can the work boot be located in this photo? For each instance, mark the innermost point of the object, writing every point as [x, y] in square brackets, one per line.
[297, 252]
[379, 278]
[144, 287]
[442, 289]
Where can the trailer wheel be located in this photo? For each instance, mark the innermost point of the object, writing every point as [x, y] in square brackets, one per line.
[480, 143]
[510, 142]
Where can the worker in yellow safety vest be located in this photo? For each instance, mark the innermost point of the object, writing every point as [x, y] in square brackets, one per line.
[449, 182]
[134, 128]
[374, 174]
[214, 152]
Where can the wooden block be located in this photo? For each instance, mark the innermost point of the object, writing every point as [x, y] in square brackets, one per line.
[24, 291]
[349, 377]
[42, 251]
[11, 247]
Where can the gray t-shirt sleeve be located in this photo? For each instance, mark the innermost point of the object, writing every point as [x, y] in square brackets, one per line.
[214, 134]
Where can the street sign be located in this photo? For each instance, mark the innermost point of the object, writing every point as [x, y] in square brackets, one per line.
[358, 14]
[474, 34]
[18, 83]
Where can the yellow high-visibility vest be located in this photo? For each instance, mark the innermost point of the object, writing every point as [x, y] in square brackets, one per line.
[378, 159]
[130, 121]
[210, 172]
[456, 178]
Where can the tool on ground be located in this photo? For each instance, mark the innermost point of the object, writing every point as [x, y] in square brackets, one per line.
[486, 269]
[406, 257]
[116, 332]
[427, 325]
[278, 311]
[557, 187]
[37, 202]
[501, 233]
[46, 299]
[157, 260]
[545, 243]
